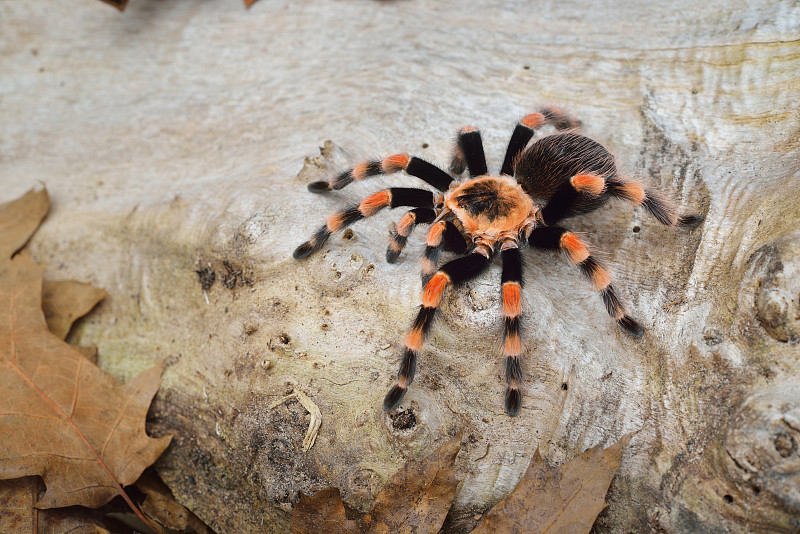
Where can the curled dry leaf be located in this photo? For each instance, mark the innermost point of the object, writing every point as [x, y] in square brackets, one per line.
[90, 353]
[18, 514]
[416, 500]
[161, 506]
[62, 417]
[561, 500]
[64, 301]
[19, 219]
[322, 512]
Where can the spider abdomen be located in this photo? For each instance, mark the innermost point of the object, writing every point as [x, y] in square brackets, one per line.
[549, 163]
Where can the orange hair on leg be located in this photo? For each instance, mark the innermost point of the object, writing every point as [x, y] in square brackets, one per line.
[512, 299]
[375, 202]
[395, 163]
[588, 183]
[574, 248]
[434, 290]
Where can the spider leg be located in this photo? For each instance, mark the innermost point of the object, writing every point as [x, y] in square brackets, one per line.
[511, 281]
[403, 229]
[433, 248]
[556, 237]
[468, 153]
[562, 200]
[559, 118]
[658, 206]
[454, 240]
[452, 272]
[414, 166]
[392, 197]
[527, 127]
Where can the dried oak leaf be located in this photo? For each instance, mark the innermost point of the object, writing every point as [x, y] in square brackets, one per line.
[19, 219]
[19, 515]
[415, 500]
[322, 512]
[562, 500]
[64, 301]
[90, 353]
[62, 417]
[161, 506]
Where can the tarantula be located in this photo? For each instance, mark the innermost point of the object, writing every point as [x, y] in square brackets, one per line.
[557, 176]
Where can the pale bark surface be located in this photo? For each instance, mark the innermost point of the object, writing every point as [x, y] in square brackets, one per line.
[171, 137]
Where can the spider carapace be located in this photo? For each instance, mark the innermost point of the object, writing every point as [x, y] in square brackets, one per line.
[539, 184]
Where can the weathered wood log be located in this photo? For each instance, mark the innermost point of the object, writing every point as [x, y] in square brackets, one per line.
[171, 138]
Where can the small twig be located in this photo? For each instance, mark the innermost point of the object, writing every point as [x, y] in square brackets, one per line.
[316, 415]
[484, 454]
[681, 300]
[336, 383]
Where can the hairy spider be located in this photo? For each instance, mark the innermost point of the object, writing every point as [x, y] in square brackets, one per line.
[557, 176]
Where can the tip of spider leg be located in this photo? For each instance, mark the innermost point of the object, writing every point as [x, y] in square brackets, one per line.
[319, 187]
[303, 251]
[513, 401]
[394, 397]
[690, 220]
[392, 255]
[631, 326]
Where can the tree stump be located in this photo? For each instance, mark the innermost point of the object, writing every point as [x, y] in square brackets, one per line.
[177, 139]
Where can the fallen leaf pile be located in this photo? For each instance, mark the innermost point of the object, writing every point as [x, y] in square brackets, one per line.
[561, 500]
[61, 417]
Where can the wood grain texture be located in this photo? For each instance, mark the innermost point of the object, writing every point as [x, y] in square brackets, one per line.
[193, 160]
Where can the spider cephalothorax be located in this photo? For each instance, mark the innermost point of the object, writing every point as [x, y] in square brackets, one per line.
[557, 176]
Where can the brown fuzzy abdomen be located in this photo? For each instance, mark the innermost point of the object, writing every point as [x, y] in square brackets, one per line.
[552, 160]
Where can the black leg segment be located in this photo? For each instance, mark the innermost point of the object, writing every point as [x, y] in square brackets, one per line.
[512, 343]
[471, 146]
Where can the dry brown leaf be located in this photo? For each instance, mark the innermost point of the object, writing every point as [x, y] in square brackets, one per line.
[64, 301]
[73, 520]
[161, 506]
[18, 514]
[62, 417]
[90, 353]
[415, 500]
[19, 219]
[17, 497]
[561, 500]
[322, 512]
